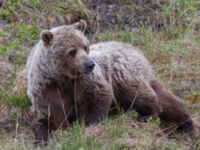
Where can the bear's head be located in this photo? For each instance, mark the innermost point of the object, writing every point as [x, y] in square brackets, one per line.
[67, 49]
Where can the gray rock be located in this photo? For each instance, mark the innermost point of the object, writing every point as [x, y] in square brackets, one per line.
[20, 84]
[5, 70]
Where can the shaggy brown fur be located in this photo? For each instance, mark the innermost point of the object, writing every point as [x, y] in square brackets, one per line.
[69, 80]
[173, 109]
[64, 106]
[61, 112]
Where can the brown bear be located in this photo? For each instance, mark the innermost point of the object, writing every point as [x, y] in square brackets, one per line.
[68, 79]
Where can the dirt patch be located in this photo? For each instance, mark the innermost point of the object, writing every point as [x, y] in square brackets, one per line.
[5, 70]
[98, 132]
[20, 84]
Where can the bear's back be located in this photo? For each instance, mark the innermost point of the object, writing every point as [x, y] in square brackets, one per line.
[116, 57]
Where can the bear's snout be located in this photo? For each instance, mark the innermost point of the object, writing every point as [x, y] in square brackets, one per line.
[88, 66]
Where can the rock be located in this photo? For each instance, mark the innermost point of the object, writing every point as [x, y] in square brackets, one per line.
[20, 84]
[5, 70]
[3, 24]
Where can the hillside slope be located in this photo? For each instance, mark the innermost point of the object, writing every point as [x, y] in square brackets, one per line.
[168, 32]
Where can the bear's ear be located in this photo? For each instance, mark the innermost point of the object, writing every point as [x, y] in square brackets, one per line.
[46, 37]
[81, 25]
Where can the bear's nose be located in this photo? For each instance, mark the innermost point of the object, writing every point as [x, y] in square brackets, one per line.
[89, 65]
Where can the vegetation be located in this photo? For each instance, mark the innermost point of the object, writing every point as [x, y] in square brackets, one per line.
[169, 38]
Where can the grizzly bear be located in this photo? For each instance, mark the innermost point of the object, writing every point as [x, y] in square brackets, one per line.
[69, 79]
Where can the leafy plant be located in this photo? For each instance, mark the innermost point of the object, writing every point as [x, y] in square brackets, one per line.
[15, 100]
[74, 139]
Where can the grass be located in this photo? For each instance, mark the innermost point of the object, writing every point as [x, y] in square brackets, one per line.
[174, 51]
[17, 100]
[115, 133]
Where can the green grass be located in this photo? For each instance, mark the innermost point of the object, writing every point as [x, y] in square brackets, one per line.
[122, 132]
[17, 100]
[75, 139]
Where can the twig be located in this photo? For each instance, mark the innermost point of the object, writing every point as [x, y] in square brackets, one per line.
[16, 129]
[75, 100]
[63, 107]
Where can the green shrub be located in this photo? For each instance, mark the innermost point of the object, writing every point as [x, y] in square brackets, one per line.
[15, 100]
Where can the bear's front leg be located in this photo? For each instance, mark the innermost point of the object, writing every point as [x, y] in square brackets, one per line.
[96, 102]
[41, 122]
[41, 132]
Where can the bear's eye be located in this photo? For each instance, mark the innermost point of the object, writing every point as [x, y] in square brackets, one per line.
[72, 52]
[86, 48]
